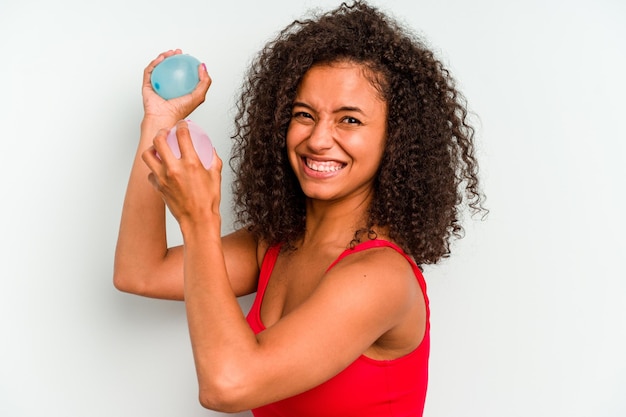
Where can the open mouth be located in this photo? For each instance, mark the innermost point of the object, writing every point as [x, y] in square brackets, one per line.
[323, 166]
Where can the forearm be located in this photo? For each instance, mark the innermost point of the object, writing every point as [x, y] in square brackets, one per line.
[143, 263]
[221, 339]
[142, 239]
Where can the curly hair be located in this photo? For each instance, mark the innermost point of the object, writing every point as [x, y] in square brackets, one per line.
[428, 169]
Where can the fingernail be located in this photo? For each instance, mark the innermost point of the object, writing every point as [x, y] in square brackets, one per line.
[204, 67]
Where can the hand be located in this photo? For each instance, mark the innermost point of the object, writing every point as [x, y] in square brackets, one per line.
[191, 192]
[156, 107]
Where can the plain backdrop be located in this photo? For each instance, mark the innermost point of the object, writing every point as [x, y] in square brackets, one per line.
[528, 315]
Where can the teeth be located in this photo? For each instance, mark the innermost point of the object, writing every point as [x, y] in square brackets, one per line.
[328, 166]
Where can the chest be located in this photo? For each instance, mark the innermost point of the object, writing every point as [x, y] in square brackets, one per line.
[294, 278]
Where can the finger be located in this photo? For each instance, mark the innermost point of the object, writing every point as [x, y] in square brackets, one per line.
[216, 165]
[159, 153]
[199, 93]
[185, 144]
[153, 181]
[150, 158]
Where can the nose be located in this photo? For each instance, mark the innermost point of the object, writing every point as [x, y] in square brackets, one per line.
[321, 137]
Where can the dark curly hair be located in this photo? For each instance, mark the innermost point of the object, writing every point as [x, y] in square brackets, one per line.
[428, 170]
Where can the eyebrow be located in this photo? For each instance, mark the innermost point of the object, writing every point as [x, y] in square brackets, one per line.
[339, 110]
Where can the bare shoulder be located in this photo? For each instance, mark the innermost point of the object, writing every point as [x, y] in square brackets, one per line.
[384, 281]
[380, 278]
[380, 263]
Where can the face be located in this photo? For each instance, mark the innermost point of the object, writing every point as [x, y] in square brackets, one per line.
[337, 132]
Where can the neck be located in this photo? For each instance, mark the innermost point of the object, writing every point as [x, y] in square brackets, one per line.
[334, 222]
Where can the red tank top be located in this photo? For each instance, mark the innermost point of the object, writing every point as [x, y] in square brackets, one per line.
[367, 387]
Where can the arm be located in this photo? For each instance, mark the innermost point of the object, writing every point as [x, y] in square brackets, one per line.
[342, 319]
[144, 264]
[363, 298]
[308, 346]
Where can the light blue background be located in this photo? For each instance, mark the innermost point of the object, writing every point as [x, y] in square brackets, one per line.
[527, 315]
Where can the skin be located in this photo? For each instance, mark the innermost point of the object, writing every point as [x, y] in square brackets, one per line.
[339, 128]
[368, 304]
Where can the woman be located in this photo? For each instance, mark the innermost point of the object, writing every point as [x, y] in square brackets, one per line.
[352, 156]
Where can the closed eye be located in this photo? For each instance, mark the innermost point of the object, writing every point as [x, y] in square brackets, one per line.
[351, 120]
[301, 115]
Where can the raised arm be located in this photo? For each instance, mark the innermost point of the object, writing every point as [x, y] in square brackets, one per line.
[363, 299]
[144, 264]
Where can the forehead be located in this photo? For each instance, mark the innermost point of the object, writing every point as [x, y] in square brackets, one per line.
[340, 81]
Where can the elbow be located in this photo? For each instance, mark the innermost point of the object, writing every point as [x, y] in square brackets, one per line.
[217, 402]
[124, 282]
[130, 272]
[225, 395]
[121, 275]
[120, 284]
[120, 281]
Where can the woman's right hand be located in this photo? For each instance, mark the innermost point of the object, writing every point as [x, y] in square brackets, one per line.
[168, 112]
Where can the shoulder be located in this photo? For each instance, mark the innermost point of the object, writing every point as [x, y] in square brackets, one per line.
[388, 287]
[377, 271]
[381, 256]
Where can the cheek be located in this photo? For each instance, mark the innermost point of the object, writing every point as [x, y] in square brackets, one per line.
[290, 145]
[296, 134]
[375, 146]
[289, 141]
[376, 155]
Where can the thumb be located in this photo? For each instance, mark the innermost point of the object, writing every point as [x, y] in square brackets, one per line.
[199, 93]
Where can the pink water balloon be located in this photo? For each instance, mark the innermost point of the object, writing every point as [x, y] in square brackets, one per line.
[201, 143]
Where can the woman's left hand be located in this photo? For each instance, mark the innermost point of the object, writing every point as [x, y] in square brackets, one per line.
[191, 192]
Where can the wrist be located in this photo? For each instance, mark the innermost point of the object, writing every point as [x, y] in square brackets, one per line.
[209, 229]
[149, 128]
[154, 123]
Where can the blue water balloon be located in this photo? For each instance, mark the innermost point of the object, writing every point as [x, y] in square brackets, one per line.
[175, 76]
